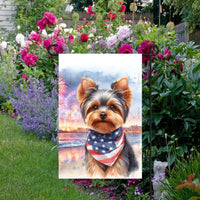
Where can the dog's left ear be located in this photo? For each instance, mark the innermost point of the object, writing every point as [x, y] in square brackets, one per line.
[124, 90]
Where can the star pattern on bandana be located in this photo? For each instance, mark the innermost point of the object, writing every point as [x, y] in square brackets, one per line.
[104, 143]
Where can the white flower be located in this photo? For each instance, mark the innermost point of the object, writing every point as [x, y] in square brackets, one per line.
[68, 30]
[89, 46]
[124, 32]
[62, 25]
[19, 38]
[23, 44]
[44, 33]
[72, 51]
[4, 44]
[93, 30]
[91, 35]
[112, 42]
[18, 27]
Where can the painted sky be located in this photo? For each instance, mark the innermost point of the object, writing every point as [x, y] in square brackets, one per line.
[103, 69]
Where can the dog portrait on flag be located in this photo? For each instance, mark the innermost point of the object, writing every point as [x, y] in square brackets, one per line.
[100, 116]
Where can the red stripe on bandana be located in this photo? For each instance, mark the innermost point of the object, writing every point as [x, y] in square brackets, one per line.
[104, 151]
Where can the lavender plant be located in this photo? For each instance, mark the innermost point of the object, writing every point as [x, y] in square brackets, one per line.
[37, 108]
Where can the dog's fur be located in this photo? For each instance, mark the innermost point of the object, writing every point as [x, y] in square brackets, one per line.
[114, 104]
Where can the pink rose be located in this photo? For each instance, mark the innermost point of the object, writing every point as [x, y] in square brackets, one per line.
[23, 53]
[125, 48]
[24, 77]
[144, 48]
[15, 115]
[50, 18]
[84, 37]
[47, 42]
[60, 47]
[79, 27]
[71, 38]
[89, 11]
[123, 8]
[30, 59]
[111, 15]
[35, 37]
[42, 23]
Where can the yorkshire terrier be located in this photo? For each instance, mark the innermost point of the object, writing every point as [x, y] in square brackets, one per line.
[108, 152]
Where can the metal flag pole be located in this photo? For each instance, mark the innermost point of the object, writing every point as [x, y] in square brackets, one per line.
[153, 52]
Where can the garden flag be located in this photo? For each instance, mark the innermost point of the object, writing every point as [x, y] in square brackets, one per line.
[100, 116]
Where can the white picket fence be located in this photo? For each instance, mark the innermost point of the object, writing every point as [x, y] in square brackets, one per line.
[6, 10]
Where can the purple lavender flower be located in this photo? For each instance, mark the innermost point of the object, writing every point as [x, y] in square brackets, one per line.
[37, 108]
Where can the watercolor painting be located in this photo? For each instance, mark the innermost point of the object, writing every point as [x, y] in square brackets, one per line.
[103, 70]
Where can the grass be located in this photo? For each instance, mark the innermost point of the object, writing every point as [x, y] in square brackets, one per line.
[29, 167]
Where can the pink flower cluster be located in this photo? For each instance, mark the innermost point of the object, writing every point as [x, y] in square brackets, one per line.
[126, 48]
[89, 11]
[123, 7]
[166, 54]
[111, 16]
[48, 20]
[144, 48]
[35, 37]
[28, 58]
[179, 63]
[124, 32]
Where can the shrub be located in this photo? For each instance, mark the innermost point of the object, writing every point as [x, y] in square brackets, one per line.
[37, 108]
[27, 13]
[175, 107]
[182, 169]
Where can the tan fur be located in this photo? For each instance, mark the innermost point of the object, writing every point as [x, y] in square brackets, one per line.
[122, 85]
[84, 87]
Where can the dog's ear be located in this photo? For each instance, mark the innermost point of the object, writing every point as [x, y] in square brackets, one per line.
[124, 90]
[84, 88]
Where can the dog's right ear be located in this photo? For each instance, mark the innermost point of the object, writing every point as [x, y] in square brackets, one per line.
[84, 88]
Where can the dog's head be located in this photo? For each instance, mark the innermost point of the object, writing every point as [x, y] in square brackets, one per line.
[104, 110]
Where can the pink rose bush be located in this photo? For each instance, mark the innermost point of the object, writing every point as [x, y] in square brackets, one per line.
[48, 20]
[125, 48]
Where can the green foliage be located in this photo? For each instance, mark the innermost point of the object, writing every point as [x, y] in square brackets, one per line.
[175, 108]
[189, 9]
[8, 72]
[98, 182]
[79, 5]
[182, 169]
[28, 13]
[130, 194]
[7, 107]
[168, 13]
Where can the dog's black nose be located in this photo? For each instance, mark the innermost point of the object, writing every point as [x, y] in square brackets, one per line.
[103, 115]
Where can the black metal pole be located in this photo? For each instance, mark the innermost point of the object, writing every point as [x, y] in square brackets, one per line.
[153, 52]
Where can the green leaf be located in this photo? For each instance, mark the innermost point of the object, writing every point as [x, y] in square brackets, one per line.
[157, 119]
[194, 198]
[196, 68]
[171, 159]
[168, 84]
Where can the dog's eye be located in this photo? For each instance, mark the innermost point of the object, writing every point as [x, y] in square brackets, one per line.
[112, 107]
[95, 107]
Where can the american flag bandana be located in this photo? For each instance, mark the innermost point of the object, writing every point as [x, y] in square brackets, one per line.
[105, 148]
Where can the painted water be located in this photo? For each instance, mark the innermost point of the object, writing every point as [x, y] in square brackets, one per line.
[72, 145]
